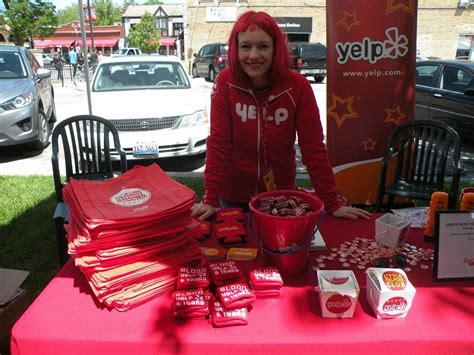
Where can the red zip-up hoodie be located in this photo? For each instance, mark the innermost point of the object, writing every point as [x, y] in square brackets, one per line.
[252, 131]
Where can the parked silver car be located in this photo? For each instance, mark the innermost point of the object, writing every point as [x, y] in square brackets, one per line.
[27, 109]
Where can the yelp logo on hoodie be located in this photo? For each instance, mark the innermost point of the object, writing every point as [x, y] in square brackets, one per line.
[249, 112]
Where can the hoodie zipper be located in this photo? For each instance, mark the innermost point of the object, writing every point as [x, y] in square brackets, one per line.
[259, 116]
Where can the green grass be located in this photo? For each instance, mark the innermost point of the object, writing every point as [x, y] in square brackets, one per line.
[27, 235]
[27, 238]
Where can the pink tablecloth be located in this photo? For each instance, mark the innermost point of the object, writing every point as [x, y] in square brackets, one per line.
[65, 319]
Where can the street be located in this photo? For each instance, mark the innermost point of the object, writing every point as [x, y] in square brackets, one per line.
[72, 100]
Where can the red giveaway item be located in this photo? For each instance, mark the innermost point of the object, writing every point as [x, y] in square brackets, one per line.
[190, 300]
[233, 213]
[231, 230]
[276, 293]
[205, 227]
[235, 295]
[222, 317]
[265, 278]
[189, 278]
[225, 271]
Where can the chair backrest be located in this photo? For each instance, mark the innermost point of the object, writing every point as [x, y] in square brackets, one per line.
[423, 149]
[88, 144]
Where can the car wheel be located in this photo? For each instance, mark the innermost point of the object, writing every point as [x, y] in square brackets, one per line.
[319, 78]
[195, 72]
[43, 132]
[212, 74]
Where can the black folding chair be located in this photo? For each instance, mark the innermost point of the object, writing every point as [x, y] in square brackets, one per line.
[86, 142]
[422, 150]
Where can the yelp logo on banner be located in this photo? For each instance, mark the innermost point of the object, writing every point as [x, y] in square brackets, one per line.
[130, 197]
[395, 46]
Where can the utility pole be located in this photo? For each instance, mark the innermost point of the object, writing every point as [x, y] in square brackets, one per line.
[90, 27]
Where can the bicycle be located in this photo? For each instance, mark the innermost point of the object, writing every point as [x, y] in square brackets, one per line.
[81, 74]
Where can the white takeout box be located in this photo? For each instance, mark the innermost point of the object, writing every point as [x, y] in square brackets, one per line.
[391, 230]
[389, 292]
[338, 293]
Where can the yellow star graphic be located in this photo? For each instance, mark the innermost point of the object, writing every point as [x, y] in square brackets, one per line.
[369, 144]
[394, 115]
[346, 104]
[404, 5]
[349, 20]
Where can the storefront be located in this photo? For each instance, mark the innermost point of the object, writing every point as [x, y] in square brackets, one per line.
[298, 29]
[105, 38]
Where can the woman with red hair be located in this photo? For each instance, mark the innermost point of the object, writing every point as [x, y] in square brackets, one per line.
[258, 105]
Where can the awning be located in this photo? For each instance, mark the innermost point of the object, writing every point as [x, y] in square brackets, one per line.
[104, 42]
[52, 42]
[167, 41]
[42, 43]
[100, 42]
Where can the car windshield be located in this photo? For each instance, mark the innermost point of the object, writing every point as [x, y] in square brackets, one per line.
[312, 51]
[121, 51]
[140, 75]
[11, 66]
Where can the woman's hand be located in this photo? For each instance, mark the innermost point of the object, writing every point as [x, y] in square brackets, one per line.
[351, 213]
[203, 211]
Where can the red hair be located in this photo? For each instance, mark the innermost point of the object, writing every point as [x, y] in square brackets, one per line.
[252, 20]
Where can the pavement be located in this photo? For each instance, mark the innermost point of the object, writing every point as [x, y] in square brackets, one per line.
[71, 99]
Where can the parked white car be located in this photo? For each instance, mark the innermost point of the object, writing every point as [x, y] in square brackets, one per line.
[149, 100]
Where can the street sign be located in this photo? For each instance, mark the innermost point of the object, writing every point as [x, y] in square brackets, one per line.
[85, 10]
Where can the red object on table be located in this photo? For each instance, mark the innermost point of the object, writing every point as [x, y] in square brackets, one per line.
[65, 319]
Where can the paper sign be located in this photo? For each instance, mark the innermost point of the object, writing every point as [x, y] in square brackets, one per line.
[454, 249]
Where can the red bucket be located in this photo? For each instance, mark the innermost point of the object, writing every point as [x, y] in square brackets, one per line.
[285, 241]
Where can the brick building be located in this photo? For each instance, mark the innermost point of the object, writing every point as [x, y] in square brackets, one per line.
[445, 27]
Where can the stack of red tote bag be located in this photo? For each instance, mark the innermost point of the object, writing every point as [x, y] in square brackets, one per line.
[130, 234]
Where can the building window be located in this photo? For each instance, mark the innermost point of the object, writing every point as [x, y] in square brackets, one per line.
[465, 47]
[177, 29]
[162, 23]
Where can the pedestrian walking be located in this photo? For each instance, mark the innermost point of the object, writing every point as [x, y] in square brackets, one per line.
[58, 65]
[73, 61]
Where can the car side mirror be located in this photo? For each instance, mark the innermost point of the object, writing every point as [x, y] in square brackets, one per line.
[195, 55]
[469, 92]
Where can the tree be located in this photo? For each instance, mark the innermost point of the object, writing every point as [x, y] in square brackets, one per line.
[107, 12]
[30, 19]
[145, 35]
[153, 2]
[69, 14]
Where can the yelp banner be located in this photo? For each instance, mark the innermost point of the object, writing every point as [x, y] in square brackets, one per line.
[371, 49]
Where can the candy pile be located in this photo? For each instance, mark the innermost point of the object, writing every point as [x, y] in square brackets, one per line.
[266, 282]
[283, 206]
[364, 253]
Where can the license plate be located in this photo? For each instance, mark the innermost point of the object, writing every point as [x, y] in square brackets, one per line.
[308, 71]
[145, 148]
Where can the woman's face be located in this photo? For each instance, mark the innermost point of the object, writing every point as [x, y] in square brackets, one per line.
[256, 55]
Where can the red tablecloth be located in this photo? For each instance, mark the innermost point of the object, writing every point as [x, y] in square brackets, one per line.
[64, 319]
